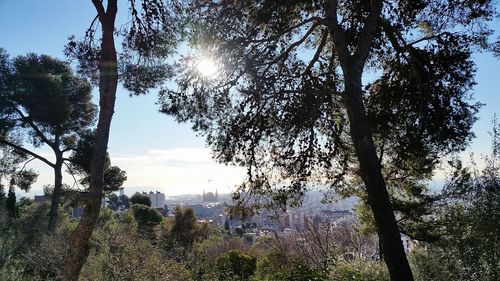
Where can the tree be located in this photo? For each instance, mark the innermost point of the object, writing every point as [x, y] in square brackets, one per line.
[147, 218]
[138, 198]
[235, 265]
[114, 177]
[43, 103]
[288, 101]
[469, 211]
[184, 228]
[142, 65]
[12, 175]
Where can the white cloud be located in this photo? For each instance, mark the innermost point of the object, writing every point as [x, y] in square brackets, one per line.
[177, 171]
[173, 171]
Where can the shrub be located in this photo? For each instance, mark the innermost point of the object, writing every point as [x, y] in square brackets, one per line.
[236, 265]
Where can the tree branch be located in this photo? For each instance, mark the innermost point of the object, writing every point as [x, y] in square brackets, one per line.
[293, 46]
[368, 32]
[25, 163]
[100, 9]
[338, 35]
[394, 38]
[315, 58]
[39, 133]
[318, 20]
[112, 7]
[24, 150]
[72, 175]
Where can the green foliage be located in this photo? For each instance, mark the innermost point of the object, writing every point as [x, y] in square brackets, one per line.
[81, 157]
[22, 236]
[118, 202]
[56, 102]
[10, 203]
[46, 258]
[185, 229]
[13, 176]
[236, 265]
[360, 271]
[281, 113]
[296, 272]
[69, 197]
[43, 103]
[138, 198]
[119, 252]
[428, 265]
[14, 271]
[469, 214]
[147, 219]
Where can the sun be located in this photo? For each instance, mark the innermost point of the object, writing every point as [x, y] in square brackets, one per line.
[207, 67]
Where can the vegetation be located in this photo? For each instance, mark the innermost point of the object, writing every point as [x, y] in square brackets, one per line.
[149, 39]
[120, 250]
[43, 103]
[138, 198]
[292, 102]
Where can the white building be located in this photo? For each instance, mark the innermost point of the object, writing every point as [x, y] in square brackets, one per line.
[157, 199]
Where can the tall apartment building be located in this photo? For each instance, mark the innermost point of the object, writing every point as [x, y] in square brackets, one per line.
[157, 199]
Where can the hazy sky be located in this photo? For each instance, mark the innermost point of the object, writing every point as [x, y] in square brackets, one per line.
[156, 152]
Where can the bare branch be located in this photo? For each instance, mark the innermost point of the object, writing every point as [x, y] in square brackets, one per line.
[293, 46]
[318, 20]
[25, 163]
[24, 150]
[315, 58]
[72, 175]
[39, 133]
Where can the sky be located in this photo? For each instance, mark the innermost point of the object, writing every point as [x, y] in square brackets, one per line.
[156, 152]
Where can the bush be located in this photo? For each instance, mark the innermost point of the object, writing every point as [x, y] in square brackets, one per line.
[236, 265]
[147, 219]
[119, 253]
[359, 271]
[138, 198]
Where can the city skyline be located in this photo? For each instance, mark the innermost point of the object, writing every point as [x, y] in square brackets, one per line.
[156, 152]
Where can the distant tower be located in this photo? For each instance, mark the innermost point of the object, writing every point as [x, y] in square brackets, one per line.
[216, 196]
[204, 196]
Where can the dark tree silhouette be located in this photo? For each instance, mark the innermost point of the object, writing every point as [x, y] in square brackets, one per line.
[289, 102]
[13, 175]
[149, 38]
[138, 198]
[114, 177]
[44, 103]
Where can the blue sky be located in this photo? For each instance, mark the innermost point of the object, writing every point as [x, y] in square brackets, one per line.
[156, 152]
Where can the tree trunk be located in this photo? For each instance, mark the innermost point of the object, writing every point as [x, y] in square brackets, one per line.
[56, 195]
[371, 173]
[108, 81]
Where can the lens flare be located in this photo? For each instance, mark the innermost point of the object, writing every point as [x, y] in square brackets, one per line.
[206, 67]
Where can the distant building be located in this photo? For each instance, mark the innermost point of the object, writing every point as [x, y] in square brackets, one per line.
[210, 197]
[296, 220]
[157, 199]
[249, 237]
[41, 198]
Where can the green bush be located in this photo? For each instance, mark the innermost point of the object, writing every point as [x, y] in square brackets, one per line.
[359, 271]
[236, 265]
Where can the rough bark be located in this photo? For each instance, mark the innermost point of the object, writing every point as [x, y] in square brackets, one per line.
[56, 195]
[370, 169]
[371, 173]
[108, 81]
